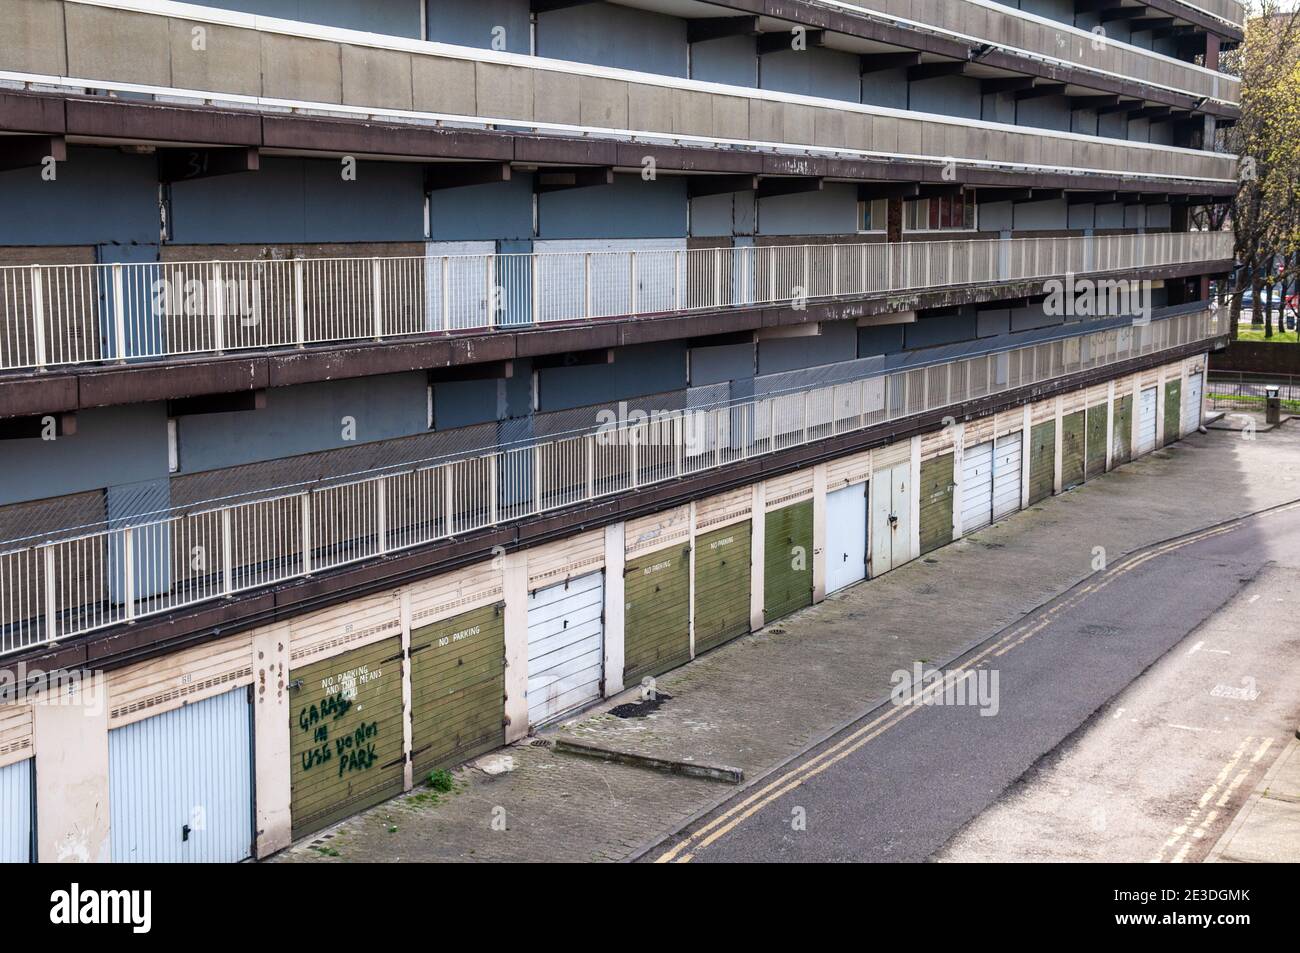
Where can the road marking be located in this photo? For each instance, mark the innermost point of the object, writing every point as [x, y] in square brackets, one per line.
[1184, 727]
[788, 781]
[1118, 713]
[1184, 829]
[1195, 648]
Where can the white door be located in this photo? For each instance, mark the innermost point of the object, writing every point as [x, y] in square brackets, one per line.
[1192, 403]
[566, 646]
[846, 536]
[900, 479]
[1146, 421]
[976, 487]
[1006, 475]
[16, 812]
[180, 785]
[882, 524]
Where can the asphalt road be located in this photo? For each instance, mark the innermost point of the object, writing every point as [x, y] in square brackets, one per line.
[900, 783]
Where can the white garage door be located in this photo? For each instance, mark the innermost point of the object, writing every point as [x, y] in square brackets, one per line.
[566, 646]
[846, 536]
[1192, 403]
[1006, 475]
[977, 487]
[180, 785]
[1146, 421]
[16, 813]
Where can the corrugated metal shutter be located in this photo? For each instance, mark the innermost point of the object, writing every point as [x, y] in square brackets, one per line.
[1042, 460]
[1072, 447]
[936, 502]
[1192, 402]
[458, 688]
[1173, 409]
[1123, 435]
[1095, 447]
[977, 487]
[657, 613]
[1146, 421]
[566, 646]
[722, 585]
[787, 563]
[846, 536]
[16, 813]
[1006, 475]
[345, 727]
[180, 784]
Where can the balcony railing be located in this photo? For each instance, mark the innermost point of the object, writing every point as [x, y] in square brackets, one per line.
[62, 586]
[55, 315]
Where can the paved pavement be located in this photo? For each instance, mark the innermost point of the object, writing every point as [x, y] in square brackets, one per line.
[765, 698]
[1267, 829]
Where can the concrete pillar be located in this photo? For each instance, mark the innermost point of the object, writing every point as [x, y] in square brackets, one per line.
[1160, 409]
[914, 502]
[514, 590]
[758, 539]
[1026, 441]
[1110, 422]
[615, 559]
[958, 452]
[1056, 461]
[271, 742]
[70, 735]
[690, 583]
[819, 532]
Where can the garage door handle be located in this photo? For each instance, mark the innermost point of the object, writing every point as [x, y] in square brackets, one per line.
[893, 520]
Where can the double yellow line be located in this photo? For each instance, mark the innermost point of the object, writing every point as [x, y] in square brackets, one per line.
[685, 849]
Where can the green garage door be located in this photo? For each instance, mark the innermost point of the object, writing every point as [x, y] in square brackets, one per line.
[722, 585]
[936, 502]
[346, 731]
[1095, 463]
[657, 613]
[1042, 460]
[1121, 447]
[1173, 410]
[787, 560]
[1072, 436]
[458, 688]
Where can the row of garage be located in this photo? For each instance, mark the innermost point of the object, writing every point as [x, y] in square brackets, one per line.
[377, 693]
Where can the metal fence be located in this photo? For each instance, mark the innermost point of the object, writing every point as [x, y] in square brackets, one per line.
[53, 315]
[1243, 390]
[59, 587]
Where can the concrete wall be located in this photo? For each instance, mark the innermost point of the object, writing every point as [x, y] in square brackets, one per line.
[732, 60]
[472, 24]
[394, 17]
[811, 72]
[610, 35]
[97, 196]
[638, 370]
[832, 211]
[948, 95]
[302, 200]
[630, 208]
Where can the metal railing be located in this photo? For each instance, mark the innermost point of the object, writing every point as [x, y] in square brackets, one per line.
[1247, 390]
[54, 315]
[63, 586]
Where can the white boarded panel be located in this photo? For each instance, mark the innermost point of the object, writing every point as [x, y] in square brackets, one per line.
[978, 431]
[1006, 475]
[1123, 386]
[789, 488]
[455, 592]
[181, 678]
[15, 732]
[16, 812]
[729, 507]
[1042, 411]
[574, 556]
[345, 627]
[657, 530]
[1075, 400]
[855, 468]
[940, 441]
[890, 455]
[1009, 421]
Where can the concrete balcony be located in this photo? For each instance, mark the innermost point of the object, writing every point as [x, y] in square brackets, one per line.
[69, 583]
[64, 316]
[277, 66]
